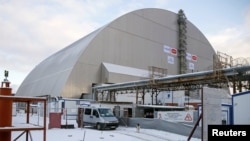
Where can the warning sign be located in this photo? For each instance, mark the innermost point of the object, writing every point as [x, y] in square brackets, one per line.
[173, 51]
[194, 58]
[188, 117]
[179, 116]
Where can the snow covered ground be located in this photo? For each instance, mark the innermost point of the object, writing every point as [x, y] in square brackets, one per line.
[90, 134]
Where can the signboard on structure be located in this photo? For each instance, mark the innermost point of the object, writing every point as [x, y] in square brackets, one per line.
[176, 116]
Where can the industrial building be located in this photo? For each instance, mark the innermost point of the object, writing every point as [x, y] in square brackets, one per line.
[142, 44]
[133, 65]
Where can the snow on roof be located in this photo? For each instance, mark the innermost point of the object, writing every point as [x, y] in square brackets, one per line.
[126, 70]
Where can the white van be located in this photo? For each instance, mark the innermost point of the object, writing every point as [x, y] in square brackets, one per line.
[99, 117]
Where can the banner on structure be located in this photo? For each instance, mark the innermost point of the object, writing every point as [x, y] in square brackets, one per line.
[177, 116]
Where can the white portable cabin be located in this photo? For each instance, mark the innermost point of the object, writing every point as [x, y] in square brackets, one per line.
[241, 104]
[67, 106]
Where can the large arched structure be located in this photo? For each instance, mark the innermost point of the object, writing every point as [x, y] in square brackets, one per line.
[120, 51]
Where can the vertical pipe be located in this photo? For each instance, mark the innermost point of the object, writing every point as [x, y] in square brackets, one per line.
[248, 88]
[202, 123]
[5, 111]
[172, 96]
[143, 98]
[240, 86]
[156, 95]
[152, 98]
[28, 112]
[102, 96]
[44, 121]
[234, 87]
[136, 98]
[27, 118]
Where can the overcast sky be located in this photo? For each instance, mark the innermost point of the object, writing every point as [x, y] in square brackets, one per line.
[32, 30]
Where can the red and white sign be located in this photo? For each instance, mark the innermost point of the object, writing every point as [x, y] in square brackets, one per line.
[191, 57]
[170, 50]
[173, 51]
[188, 117]
[194, 58]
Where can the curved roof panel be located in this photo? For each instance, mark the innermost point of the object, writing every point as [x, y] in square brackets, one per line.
[137, 40]
[48, 77]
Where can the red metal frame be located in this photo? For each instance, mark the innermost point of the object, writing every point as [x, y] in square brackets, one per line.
[27, 130]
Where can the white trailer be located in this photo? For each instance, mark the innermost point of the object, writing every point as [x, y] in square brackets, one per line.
[241, 104]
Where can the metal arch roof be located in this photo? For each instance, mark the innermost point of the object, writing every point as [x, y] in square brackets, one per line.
[184, 80]
[48, 77]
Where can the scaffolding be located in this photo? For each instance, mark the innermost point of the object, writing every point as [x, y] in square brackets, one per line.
[182, 25]
[222, 60]
[156, 72]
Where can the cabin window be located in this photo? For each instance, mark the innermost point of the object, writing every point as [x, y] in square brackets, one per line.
[87, 111]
